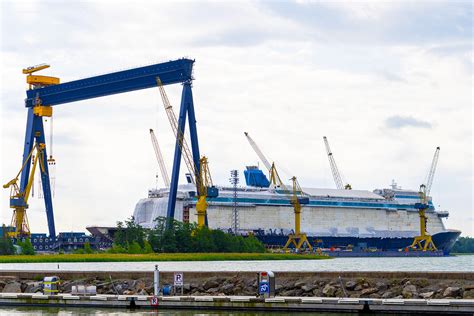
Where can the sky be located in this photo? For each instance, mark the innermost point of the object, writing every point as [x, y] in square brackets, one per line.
[386, 81]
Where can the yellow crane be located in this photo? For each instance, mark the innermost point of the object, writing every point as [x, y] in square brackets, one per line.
[298, 239]
[424, 241]
[19, 199]
[202, 177]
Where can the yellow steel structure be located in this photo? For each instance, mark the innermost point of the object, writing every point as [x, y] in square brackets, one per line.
[202, 177]
[298, 239]
[19, 219]
[39, 81]
[204, 181]
[275, 179]
[424, 241]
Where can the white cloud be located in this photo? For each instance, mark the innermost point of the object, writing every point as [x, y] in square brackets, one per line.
[286, 81]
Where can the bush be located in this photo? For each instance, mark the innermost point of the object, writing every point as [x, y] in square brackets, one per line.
[134, 248]
[117, 249]
[147, 248]
[26, 247]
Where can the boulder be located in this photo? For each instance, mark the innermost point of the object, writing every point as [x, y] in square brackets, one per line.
[187, 286]
[368, 291]
[329, 290]
[468, 294]
[2, 285]
[139, 285]
[452, 291]
[426, 295]
[12, 287]
[33, 287]
[213, 290]
[142, 292]
[128, 292]
[358, 287]
[350, 285]
[375, 295]
[299, 283]
[381, 286]
[409, 291]
[387, 294]
[228, 288]
[211, 283]
[308, 287]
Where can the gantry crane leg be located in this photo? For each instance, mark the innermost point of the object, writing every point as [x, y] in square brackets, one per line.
[35, 132]
[186, 109]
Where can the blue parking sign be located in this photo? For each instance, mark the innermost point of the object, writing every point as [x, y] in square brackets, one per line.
[264, 288]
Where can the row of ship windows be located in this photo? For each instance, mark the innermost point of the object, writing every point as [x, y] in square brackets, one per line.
[52, 239]
[46, 247]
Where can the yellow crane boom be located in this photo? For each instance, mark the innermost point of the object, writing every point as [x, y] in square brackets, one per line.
[202, 177]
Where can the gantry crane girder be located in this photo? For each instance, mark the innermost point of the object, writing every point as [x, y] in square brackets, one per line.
[41, 98]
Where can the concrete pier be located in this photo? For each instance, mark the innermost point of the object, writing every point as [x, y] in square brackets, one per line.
[245, 303]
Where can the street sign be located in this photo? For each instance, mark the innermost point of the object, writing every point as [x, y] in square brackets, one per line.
[154, 301]
[263, 288]
[178, 279]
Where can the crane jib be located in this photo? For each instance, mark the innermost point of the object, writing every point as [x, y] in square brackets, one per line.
[176, 71]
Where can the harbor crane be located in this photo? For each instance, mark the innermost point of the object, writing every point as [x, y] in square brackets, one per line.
[45, 92]
[199, 174]
[18, 198]
[298, 239]
[424, 241]
[275, 180]
[160, 160]
[187, 157]
[335, 171]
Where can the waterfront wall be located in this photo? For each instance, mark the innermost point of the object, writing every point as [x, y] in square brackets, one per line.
[428, 285]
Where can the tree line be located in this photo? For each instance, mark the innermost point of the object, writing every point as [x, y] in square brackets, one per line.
[179, 237]
[464, 245]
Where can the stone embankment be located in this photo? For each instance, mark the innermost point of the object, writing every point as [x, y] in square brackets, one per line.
[406, 285]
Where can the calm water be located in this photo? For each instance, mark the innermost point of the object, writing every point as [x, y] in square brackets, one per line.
[99, 311]
[455, 263]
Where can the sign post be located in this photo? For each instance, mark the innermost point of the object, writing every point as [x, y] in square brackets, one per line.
[179, 281]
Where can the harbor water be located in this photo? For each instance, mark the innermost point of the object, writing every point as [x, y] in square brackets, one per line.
[451, 263]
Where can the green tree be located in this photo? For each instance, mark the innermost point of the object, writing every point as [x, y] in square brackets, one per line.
[147, 247]
[6, 243]
[26, 247]
[134, 248]
[87, 247]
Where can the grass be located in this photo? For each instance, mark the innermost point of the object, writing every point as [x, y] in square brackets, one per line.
[107, 257]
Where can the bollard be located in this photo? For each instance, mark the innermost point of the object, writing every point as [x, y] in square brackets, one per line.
[156, 281]
[51, 285]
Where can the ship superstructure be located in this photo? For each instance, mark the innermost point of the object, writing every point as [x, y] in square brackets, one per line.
[386, 219]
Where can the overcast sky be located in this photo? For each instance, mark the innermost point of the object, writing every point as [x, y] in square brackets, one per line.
[386, 82]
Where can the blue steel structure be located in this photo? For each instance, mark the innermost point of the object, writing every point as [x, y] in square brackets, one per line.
[171, 72]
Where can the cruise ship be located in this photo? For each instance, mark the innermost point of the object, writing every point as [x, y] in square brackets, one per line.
[378, 220]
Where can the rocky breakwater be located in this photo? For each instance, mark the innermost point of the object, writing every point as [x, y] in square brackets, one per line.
[356, 285]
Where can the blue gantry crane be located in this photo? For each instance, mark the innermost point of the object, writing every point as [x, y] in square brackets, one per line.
[45, 92]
